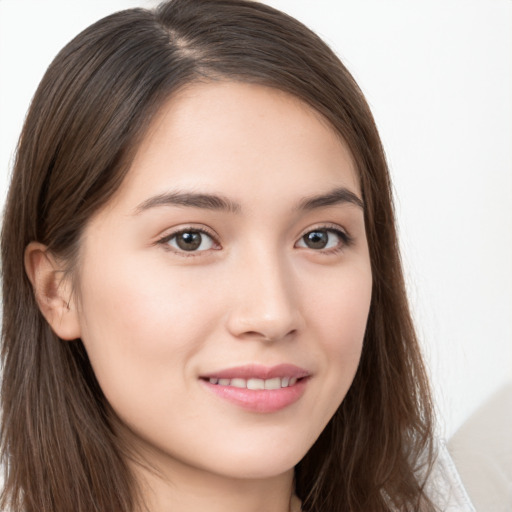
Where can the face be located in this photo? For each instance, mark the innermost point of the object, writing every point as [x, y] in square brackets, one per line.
[224, 290]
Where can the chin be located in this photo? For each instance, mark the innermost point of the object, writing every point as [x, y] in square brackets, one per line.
[259, 463]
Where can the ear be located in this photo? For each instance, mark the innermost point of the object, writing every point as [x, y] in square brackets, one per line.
[53, 291]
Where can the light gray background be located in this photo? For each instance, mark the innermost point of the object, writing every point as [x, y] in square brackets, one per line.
[438, 76]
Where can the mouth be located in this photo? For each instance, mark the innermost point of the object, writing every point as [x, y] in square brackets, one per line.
[256, 384]
[258, 388]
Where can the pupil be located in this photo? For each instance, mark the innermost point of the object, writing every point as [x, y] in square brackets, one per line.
[316, 239]
[189, 241]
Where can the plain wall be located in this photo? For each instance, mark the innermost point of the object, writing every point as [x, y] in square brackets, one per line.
[438, 76]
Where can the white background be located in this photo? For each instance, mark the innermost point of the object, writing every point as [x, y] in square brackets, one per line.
[438, 76]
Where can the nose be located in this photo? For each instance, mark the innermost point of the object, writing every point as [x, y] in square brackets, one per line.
[265, 303]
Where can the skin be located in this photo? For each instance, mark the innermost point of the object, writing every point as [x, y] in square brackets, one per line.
[155, 318]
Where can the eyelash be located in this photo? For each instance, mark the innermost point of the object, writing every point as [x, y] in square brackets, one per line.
[187, 254]
[346, 240]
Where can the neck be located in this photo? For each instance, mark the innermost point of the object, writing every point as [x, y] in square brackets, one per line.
[186, 489]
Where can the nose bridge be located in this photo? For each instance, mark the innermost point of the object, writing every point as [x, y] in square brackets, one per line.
[265, 303]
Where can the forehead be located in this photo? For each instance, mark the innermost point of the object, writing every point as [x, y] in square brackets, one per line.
[237, 138]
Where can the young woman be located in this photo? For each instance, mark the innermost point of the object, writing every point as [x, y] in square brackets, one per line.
[203, 300]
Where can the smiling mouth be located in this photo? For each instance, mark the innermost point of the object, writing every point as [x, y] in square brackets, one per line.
[259, 388]
[256, 384]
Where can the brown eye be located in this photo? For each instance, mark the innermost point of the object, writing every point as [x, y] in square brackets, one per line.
[324, 238]
[316, 239]
[191, 240]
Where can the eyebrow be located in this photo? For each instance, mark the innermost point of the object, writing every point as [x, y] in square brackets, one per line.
[190, 199]
[334, 197]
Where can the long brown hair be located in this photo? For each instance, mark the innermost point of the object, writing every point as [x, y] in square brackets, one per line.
[59, 445]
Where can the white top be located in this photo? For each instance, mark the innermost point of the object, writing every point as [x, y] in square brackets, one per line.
[444, 486]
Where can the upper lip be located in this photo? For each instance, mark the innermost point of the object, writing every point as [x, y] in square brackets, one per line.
[256, 371]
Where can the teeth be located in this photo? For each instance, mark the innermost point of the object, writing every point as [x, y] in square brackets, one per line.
[238, 383]
[273, 383]
[256, 384]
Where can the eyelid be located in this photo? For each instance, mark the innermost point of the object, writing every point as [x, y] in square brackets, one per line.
[163, 240]
[346, 238]
[342, 233]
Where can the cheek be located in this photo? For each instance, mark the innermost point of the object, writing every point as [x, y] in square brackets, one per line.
[338, 318]
[339, 309]
[142, 332]
[148, 306]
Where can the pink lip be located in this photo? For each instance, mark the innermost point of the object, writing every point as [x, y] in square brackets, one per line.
[260, 401]
[255, 371]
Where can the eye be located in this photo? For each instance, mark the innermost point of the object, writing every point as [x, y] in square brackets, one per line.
[189, 240]
[323, 239]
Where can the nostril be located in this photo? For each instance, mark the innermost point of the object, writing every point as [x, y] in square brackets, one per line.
[264, 319]
[270, 337]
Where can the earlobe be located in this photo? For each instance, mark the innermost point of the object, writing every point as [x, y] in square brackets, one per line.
[53, 291]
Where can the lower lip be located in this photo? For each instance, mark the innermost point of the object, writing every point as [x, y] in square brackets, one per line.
[261, 400]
